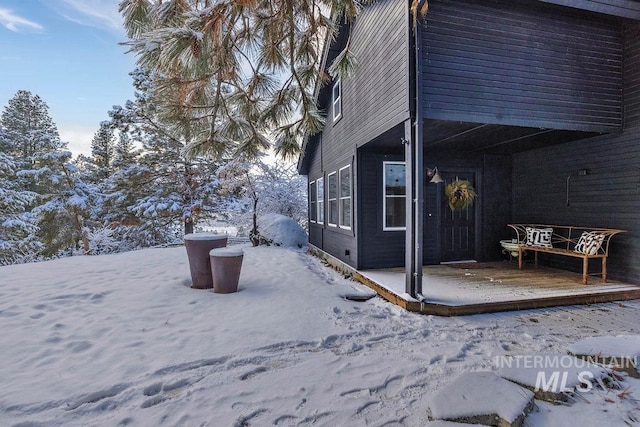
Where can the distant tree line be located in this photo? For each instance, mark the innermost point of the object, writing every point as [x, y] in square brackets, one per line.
[139, 187]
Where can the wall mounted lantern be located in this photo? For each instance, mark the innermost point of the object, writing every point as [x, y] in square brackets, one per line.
[435, 176]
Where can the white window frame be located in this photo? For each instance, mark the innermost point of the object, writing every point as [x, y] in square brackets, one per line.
[384, 196]
[336, 102]
[313, 200]
[341, 198]
[320, 201]
[329, 199]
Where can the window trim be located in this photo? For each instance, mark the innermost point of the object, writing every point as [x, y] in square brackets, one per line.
[313, 199]
[336, 102]
[320, 201]
[384, 196]
[329, 200]
[340, 199]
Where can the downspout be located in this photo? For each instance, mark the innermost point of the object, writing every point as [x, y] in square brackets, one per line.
[419, 161]
[414, 151]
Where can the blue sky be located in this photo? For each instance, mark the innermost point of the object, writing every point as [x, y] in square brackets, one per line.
[67, 52]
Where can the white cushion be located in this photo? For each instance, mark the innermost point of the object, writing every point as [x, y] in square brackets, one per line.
[539, 236]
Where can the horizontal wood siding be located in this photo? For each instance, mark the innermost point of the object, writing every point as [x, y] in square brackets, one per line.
[314, 155]
[315, 235]
[608, 197]
[378, 249]
[495, 192]
[376, 97]
[339, 242]
[374, 100]
[522, 64]
[632, 78]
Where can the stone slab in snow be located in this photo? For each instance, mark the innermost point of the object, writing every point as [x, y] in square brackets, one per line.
[357, 296]
[621, 352]
[551, 376]
[360, 293]
[482, 398]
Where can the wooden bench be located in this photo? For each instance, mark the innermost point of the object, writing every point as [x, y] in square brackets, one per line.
[579, 242]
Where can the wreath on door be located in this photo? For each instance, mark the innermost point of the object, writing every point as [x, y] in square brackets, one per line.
[460, 194]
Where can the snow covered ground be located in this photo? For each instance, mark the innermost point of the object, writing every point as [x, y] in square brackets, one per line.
[116, 340]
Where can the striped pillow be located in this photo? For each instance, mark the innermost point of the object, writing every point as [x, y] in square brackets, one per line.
[589, 243]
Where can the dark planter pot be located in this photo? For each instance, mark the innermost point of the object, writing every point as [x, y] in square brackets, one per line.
[225, 269]
[198, 247]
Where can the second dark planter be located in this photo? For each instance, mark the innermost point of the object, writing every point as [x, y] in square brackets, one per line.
[225, 269]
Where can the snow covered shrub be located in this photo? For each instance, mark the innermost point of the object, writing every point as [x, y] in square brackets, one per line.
[281, 230]
[146, 234]
[101, 241]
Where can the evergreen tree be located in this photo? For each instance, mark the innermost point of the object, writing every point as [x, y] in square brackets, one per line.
[165, 191]
[68, 209]
[125, 153]
[29, 134]
[59, 201]
[29, 131]
[103, 150]
[18, 242]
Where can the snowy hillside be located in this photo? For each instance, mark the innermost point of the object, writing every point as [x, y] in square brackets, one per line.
[122, 340]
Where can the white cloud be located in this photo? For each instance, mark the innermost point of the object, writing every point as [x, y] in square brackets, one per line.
[78, 137]
[13, 22]
[93, 13]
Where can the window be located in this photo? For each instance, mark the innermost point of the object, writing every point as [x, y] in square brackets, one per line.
[345, 197]
[313, 197]
[320, 200]
[394, 200]
[332, 184]
[336, 100]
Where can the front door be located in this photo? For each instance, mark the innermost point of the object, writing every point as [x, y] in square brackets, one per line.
[459, 227]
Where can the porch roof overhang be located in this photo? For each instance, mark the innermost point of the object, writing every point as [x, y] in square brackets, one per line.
[497, 138]
[621, 8]
[483, 138]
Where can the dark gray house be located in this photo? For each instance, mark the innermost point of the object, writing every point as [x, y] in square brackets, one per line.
[515, 96]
